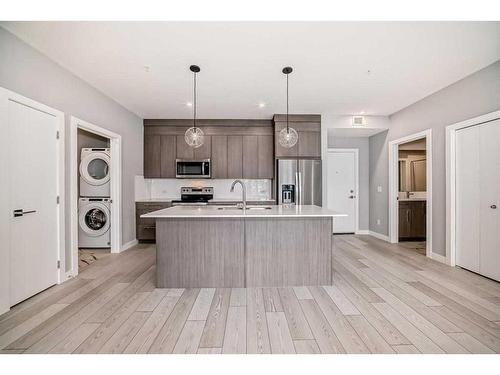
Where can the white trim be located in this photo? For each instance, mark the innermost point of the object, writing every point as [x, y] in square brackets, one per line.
[439, 258]
[129, 245]
[10, 95]
[393, 186]
[363, 231]
[115, 186]
[451, 179]
[356, 174]
[382, 237]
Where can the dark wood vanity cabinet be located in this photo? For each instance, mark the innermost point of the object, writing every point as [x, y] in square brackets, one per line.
[412, 220]
[146, 228]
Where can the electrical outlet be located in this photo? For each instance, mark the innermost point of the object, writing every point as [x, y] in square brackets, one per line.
[379, 189]
[378, 221]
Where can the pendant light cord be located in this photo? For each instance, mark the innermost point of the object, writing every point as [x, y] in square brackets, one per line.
[194, 94]
[287, 129]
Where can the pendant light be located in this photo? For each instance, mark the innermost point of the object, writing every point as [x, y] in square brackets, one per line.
[194, 136]
[288, 136]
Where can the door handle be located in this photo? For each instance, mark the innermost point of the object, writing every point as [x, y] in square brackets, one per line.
[19, 212]
[493, 206]
[352, 196]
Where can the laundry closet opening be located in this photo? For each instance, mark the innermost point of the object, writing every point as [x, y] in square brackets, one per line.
[94, 216]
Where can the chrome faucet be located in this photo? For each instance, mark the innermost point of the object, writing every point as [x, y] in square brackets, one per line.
[243, 189]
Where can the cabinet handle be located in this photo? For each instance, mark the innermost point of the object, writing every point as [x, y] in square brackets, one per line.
[149, 227]
[408, 216]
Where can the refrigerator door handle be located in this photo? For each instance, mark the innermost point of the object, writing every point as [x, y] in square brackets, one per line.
[297, 188]
[299, 182]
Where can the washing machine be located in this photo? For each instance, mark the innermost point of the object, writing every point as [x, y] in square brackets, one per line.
[94, 172]
[94, 219]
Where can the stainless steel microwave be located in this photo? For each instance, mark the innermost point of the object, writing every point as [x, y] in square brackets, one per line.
[192, 168]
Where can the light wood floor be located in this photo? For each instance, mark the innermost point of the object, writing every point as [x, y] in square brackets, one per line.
[385, 299]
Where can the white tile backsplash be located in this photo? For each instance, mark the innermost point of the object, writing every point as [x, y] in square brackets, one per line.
[169, 188]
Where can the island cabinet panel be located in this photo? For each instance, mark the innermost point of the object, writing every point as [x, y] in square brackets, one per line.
[288, 251]
[219, 156]
[250, 160]
[197, 252]
[152, 156]
[234, 156]
[168, 156]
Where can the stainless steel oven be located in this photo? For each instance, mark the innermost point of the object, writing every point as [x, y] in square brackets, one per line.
[193, 168]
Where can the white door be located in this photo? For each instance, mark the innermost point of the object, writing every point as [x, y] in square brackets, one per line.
[33, 180]
[342, 175]
[478, 199]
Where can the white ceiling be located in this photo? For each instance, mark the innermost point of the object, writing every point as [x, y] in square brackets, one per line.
[241, 63]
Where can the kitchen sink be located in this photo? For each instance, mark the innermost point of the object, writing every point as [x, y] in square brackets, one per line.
[241, 208]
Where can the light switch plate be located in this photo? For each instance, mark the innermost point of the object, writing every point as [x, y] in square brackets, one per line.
[379, 189]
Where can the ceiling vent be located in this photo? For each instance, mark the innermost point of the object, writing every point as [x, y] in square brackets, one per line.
[358, 120]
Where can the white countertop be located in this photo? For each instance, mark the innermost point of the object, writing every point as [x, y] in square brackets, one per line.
[215, 212]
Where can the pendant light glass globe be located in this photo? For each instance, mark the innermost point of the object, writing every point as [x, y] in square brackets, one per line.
[288, 137]
[194, 137]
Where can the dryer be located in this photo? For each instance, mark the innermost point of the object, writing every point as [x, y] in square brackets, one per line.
[94, 172]
[94, 216]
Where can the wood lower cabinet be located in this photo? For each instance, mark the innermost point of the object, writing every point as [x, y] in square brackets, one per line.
[412, 220]
[146, 228]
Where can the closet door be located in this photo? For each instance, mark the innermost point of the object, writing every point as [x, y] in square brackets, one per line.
[467, 198]
[489, 177]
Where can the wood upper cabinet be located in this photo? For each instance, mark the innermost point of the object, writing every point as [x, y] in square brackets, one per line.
[308, 128]
[184, 151]
[152, 156]
[236, 148]
[205, 150]
[266, 156]
[219, 156]
[309, 144]
[234, 156]
[168, 156]
[250, 156]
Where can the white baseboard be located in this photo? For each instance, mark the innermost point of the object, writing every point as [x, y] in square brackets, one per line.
[438, 257]
[363, 231]
[382, 237]
[129, 245]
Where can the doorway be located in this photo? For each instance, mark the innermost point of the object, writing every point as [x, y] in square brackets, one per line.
[31, 198]
[472, 195]
[410, 192]
[343, 188]
[82, 133]
[412, 195]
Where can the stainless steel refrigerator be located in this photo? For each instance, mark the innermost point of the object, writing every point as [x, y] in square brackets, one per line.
[299, 181]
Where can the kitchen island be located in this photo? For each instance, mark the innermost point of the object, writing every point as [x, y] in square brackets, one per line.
[226, 246]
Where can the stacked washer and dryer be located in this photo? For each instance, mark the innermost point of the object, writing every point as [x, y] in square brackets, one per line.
[94, 204]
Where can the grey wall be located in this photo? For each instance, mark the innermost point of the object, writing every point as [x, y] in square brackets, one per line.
[472, 96]
[362, 144]
[26, 71]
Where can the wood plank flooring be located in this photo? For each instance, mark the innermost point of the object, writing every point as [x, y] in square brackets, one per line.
[385, 298]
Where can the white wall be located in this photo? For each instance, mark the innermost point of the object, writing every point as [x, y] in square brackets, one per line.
[472, 96]
[26, 71]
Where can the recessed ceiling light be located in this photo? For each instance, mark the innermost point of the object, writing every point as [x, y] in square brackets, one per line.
[147, 68]
[189, 104]
[262, 105]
